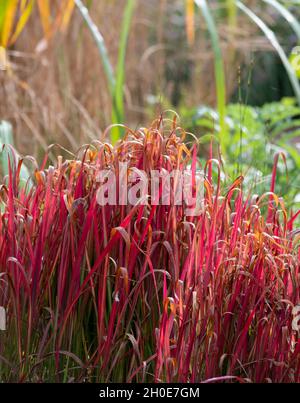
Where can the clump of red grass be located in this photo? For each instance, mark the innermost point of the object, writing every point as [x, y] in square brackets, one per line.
[144, 293]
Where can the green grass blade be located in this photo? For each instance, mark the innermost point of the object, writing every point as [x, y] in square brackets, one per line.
[100, 44]
[3, 7]
[118, 114]
[120, 73]
[115, 81]
[291, 19]
[232, 12]
[273, 40]
[6, 138]
[219, 72]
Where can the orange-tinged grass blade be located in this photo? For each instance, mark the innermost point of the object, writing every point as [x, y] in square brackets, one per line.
[190, 21]
[67, 14]
[26, 10]
[9, 11]
[45, 15]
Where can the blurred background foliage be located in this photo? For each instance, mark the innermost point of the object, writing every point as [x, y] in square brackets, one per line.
[202, 58]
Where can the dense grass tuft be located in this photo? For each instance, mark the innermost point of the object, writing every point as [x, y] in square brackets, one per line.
[144, 293]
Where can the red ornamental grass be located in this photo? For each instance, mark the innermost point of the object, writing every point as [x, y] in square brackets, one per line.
[144, 293]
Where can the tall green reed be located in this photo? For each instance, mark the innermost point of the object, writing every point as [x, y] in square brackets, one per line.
[274, 42]
[232, 12]
[116, 79]
[219, 72]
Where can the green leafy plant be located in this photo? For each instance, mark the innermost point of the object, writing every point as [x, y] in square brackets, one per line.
[257, 135]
